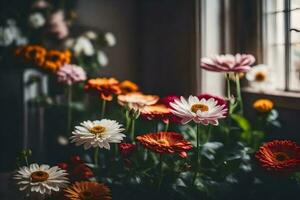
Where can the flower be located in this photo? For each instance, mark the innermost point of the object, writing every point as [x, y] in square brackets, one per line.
[57, 25]
[263, 105]
[40, 4]
[91, 35]
[97, 133]
[260, 78]
[55, 59]
[168, 99]
[76, 169]
[88, 190]
[128, 87]
[127, 149]
[102, 58]
[36, 20]
[204, 111]
[105, 87]
[41, 179]
[110, 39]
[165, 142]
[279, 156]
[137, 100]
[83, 46]
[33, 53]
[10, 34]
[70, 74]
[157, 111]
[228, 63]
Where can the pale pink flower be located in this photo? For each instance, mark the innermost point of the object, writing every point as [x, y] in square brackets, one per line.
[204, 111]
[70, 74]
[228, 63]
[57, 25]
[40, 4]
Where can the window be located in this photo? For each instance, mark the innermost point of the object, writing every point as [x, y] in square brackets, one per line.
[282, 44]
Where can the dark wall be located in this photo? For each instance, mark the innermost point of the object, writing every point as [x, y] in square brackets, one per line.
[166, 46]
[155, 41]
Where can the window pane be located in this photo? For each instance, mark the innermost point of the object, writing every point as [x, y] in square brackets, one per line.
[295, 4]
[276, 62]
[295, 24]
[295, 67]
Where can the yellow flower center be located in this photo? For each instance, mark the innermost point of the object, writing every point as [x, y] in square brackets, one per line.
[163, 142]
[260, 76]
[201, 107]
[39, 176]
[86, 195]
[97, 130]
[281, 156]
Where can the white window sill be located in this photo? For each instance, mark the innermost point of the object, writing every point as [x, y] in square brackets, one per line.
[282, 99]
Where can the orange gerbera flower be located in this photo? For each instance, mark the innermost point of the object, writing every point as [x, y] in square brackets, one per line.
[106, 87]
[87, 190]
[279, 156]
[128, 87]
[33, 53]
[55, 59]
[157, 111]
[137, 100]
[165, 142]
[263, 105]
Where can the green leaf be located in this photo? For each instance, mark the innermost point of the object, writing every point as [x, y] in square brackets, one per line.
[241, 121]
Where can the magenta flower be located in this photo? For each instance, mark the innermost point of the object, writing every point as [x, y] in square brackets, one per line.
[228, 63]
[69, 74]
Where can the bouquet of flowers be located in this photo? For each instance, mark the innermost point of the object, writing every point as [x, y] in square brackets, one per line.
[142, 146]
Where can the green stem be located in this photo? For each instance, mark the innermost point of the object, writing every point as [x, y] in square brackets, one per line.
[228, 86]
[160, 171]
[197, 153]
[69, 109]
[128, 119]
[26, 161]
[209, 133]
[132, 130]
[96, 157]
[239, 93]
[103, 108]
[167, 126]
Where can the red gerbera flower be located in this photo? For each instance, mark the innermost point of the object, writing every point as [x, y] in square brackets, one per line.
[166, 101]
[279, 156]
[127, 149]
[165, 142]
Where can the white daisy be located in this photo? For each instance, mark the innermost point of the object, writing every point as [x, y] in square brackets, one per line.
[36, 20]
[110, 39]
[97, 133]
[199, 110]
[260, 78]
[41, 179]
[102, 58]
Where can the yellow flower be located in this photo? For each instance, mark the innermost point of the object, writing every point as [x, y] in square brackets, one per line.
[263, 105]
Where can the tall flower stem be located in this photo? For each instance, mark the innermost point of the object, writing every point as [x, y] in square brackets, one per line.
[69, 109]
[239, 93]
[228, 86]
[96, 157]
[208, 133]
[128, 119]
[160, 165]
[197, 153]
[103, 108]
[167, 126]
[132, 130]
